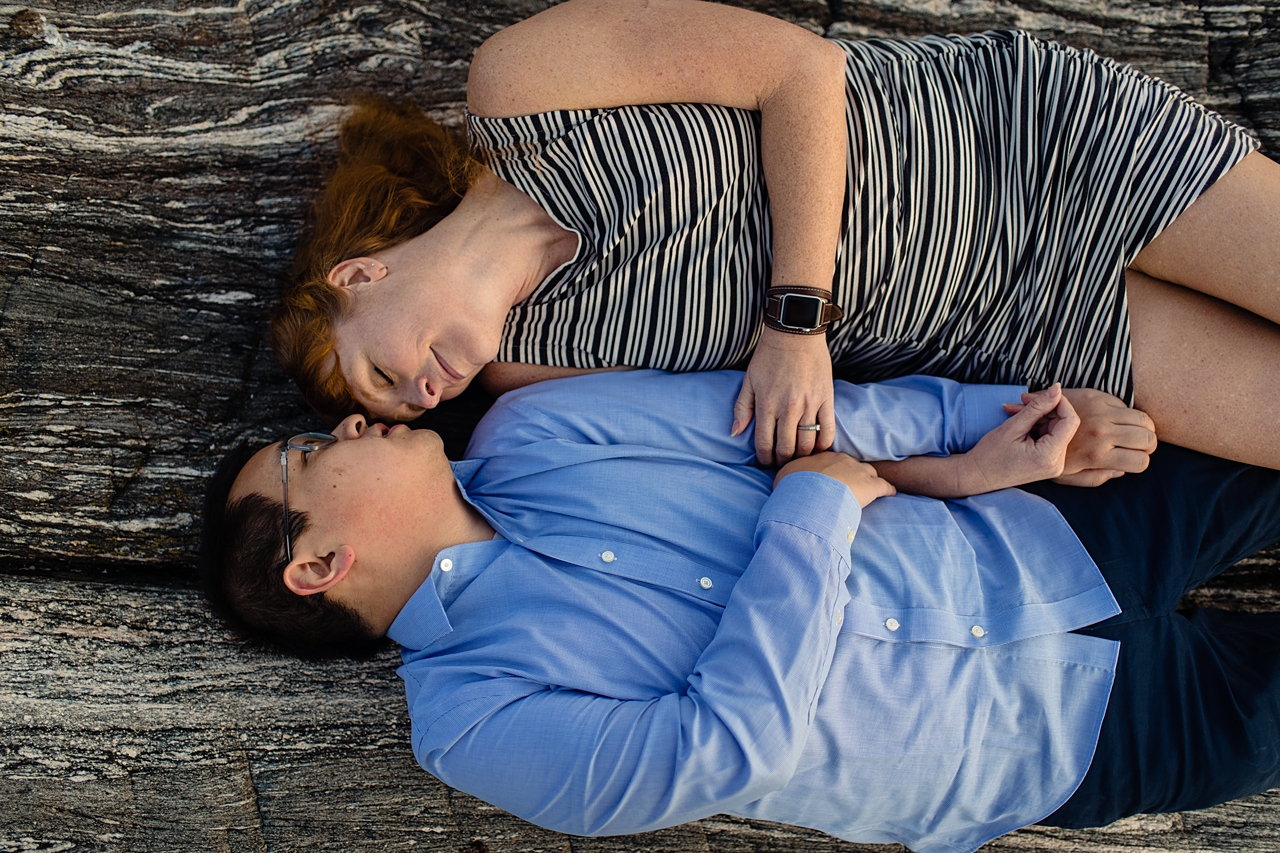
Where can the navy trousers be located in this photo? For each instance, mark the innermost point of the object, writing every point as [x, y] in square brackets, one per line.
[1194, 716]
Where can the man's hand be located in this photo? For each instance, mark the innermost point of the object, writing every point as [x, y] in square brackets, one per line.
[1112, 440]
[860, 477]
[1031, 445]
[787, 384]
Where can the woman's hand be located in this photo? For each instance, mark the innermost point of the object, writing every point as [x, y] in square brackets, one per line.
[788, 383]
[1113, 439]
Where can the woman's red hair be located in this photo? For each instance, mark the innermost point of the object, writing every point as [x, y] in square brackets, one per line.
[398, 174]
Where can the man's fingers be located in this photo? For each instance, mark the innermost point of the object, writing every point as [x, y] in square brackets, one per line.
[1065, 420]
[886, 488]
[1034, 407]
[1059, 429]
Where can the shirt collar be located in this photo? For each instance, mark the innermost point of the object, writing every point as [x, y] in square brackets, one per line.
[423, 620]
[465, 470]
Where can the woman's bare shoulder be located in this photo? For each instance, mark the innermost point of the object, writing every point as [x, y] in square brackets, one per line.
[586, 54]
[504, 79]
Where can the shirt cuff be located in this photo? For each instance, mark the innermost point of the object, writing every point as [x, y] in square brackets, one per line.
[983, 412]
[816, 503]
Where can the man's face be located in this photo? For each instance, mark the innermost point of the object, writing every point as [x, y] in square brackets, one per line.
[371, 489]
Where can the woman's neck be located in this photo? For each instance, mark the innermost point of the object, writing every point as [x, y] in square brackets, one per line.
[502, 222]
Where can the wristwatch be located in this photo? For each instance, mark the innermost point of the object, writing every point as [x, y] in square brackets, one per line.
[800, 310]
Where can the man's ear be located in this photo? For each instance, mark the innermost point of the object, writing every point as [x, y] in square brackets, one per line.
[308, 575]
[356, 271]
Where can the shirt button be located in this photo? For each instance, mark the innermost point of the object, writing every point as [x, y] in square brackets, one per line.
[608, 556]
[839, 618]
[891, 624]
[446, 564]
[977, 631]
[848, 537]
[705, 583]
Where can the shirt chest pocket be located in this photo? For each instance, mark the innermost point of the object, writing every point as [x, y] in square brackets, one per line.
[924, 585]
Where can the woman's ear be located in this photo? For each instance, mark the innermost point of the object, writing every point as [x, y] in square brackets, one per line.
[356, 271]
[309, 574]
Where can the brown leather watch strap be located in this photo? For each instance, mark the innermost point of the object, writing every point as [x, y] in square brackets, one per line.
[774, 309]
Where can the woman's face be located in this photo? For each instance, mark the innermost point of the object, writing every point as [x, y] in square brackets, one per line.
[407, 344]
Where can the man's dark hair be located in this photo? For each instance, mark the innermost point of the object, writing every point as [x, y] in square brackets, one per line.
[242, 565]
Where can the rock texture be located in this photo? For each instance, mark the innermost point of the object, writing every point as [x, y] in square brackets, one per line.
[155, 163]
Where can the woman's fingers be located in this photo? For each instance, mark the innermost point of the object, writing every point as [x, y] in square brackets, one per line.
[744, 408]
[794, 435]
[782, 437]
[806, 439]
[784, 443]
[790, 379]
[827, 421]
[1088, 479]
[1123, 461]
[1134, 438]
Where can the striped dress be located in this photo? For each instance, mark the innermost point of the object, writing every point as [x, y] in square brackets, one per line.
[998, 186]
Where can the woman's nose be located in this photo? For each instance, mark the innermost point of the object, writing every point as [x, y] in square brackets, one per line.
[423, 394]
[351, 427]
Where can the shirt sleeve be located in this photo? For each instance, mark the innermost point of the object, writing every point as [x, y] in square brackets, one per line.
[598, 765]
[917, 416]
[692, 412]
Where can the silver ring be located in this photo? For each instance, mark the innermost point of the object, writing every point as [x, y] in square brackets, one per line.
[809, 427]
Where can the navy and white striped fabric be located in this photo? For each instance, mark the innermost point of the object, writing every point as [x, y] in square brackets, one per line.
[998, 187]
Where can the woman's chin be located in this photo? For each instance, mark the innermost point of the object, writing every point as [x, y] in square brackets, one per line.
[456, 388]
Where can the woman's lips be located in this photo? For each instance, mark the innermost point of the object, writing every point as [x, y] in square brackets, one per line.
[448, 371]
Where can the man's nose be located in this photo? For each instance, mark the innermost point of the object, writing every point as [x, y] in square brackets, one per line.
[351, 427]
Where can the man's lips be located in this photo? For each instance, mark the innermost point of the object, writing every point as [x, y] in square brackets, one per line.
[448, 371]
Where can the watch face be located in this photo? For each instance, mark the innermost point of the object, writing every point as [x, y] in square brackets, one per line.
[803, 312]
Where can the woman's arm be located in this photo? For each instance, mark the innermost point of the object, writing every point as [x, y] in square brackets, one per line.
[593, 53]
[499, 377]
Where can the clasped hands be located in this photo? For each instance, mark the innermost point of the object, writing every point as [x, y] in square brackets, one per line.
[1078, 437]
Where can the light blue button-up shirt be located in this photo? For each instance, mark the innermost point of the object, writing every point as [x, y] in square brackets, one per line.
[657, 636]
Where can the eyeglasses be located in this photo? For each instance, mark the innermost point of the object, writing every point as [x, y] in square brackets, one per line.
[307, 442]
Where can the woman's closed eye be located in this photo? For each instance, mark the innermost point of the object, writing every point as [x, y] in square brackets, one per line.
[382, 375]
